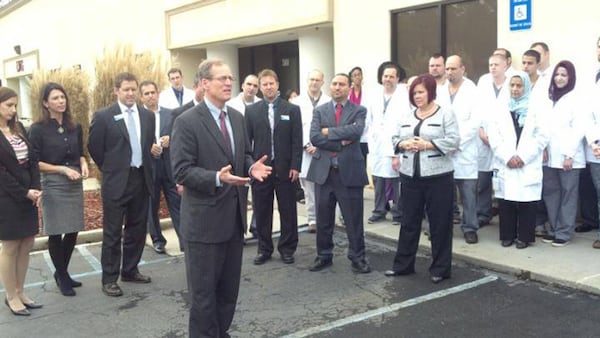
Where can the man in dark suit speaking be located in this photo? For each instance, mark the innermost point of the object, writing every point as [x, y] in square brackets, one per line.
[121, 136]
[275, 129]
[338, 170]
[212, 159]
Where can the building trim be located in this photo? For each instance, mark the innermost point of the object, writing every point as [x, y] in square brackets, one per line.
[12, 6]
[182, 9]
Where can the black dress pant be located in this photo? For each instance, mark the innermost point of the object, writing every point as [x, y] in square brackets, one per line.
[588, 199]
[434, 195]
[517, 220]
[351, 203]
[262, 202]
[133, 208]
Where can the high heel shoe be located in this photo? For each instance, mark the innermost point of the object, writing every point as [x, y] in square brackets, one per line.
[64, 285]
[22, 312]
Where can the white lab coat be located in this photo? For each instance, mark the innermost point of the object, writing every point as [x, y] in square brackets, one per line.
[520, 184]
[306, 111]
[167, 98]
[566, 122]
[238, 104]
[382, 128]
[592, 133]
[463, 106]
[487, 105]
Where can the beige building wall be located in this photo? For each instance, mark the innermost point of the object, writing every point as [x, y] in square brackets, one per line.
[68, 33]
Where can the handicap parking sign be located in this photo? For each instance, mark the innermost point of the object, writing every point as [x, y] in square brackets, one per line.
[520, 14]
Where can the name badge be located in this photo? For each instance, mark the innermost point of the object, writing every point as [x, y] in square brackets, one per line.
[285, 117]
[118, 117]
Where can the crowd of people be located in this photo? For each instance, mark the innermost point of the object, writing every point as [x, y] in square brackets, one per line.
[528, 138]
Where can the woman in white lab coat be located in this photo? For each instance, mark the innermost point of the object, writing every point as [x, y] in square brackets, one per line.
[517, 140]
[565, 113]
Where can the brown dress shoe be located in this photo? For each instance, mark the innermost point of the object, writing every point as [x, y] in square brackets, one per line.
[136, 278]
[112, 290]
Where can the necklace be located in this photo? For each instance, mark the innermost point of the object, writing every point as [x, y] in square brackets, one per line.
[423, 114]
[60, 129]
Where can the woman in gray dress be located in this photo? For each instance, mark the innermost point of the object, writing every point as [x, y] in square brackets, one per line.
[58, 142]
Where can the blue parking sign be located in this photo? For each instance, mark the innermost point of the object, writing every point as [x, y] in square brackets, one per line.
[520, 14]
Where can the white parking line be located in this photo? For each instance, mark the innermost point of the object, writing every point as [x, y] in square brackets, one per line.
[90, 258]
[92, 273]
[391, 308]
[48, 260]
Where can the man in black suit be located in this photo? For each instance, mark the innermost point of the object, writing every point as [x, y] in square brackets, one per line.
[121, 136]
[212, 159]
[275, 129]
[162, 175]
[338, 170]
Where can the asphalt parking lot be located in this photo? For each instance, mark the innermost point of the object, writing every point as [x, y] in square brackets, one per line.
[288, 300]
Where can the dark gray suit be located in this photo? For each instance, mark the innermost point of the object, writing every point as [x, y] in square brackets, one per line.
[125, 189]
[213, 218]
[163, 180]
[340, 176]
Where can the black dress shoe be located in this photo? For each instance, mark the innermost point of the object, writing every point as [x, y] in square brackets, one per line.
[437, 279]
[394, 273]
[320, 264]
[521, 244]
[584, 228]
[137, 277]
[507, 242]
[375, 219]
[261, 258]
[33, 305]
[22, 312]
[159, 247]
[361, 266]
[471, 237]
[287, 259]
[112, 290]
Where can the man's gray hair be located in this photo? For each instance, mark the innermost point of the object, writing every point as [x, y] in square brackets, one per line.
[205, 68]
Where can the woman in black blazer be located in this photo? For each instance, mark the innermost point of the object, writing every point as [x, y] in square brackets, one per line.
[19, 198]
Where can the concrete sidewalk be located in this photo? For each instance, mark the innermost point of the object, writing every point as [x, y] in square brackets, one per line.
[576, 265]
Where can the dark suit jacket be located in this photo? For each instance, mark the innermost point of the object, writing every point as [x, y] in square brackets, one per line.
[178, 111]
[287, 135]
[15, 181]
[109, 146]
[350, 158]
[166, 120]
[198, 152]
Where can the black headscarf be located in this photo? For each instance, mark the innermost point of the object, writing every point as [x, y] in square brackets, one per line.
[556, 93]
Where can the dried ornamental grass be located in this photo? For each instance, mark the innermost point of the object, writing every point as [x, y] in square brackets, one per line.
[77, 86]
[121, 58]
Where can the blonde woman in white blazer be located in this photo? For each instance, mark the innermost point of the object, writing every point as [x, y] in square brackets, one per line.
[517, 139]
[566, 156]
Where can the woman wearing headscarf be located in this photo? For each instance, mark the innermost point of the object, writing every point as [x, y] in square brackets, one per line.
[517, 140]
[565, 153]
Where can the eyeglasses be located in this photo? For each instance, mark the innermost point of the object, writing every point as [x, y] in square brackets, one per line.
[223, 78]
